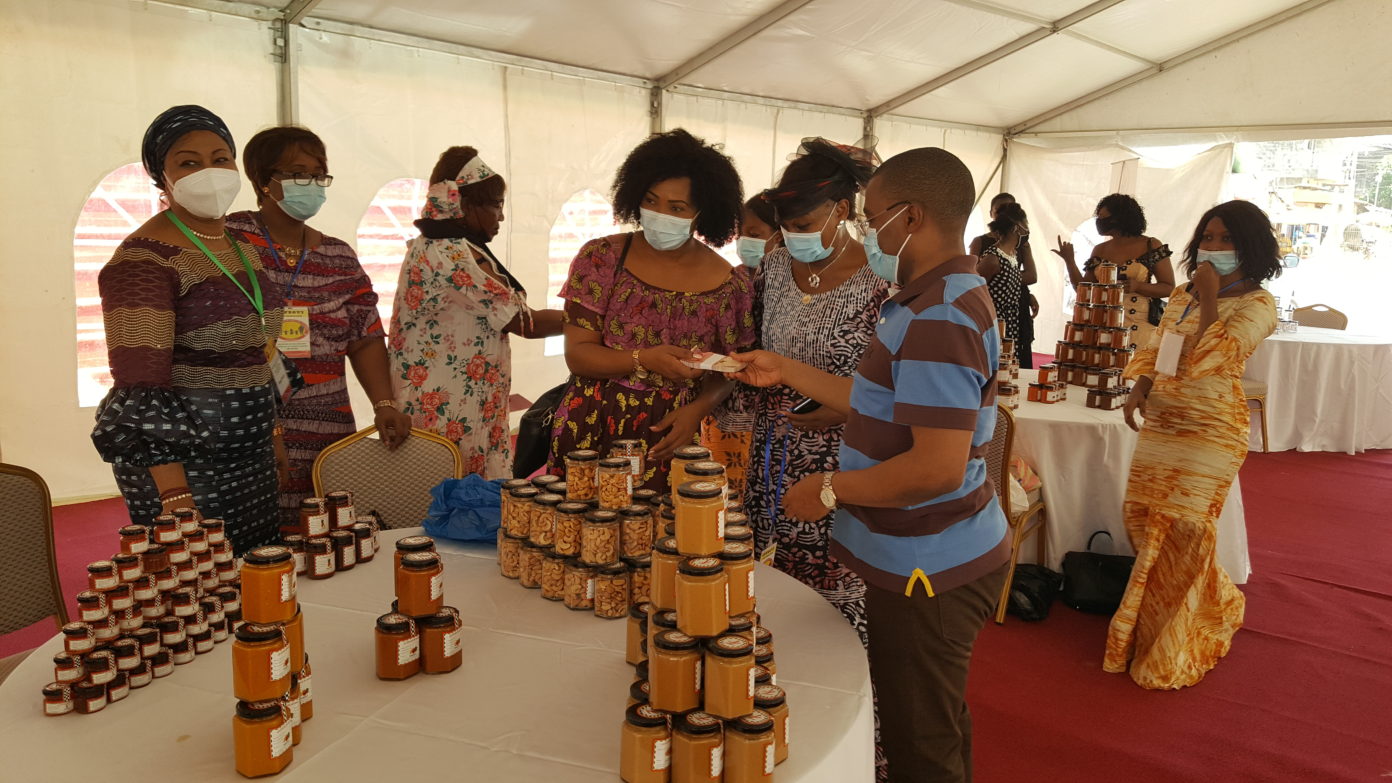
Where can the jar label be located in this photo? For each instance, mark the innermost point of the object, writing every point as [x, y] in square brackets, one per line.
[717, 761]
[295, 712]
[787, 733]
[323, 564]
[589, 588]
[305, 695]
[365, 548]
[57, 707]
[437, 586]
[300, 562]
[316, 525]
[140, 547]
[350, 555]
[720, 525]
[97, 703]
[749, 584]
[637, 463]
[280, 663]
[698, 675]
[768, 759]
[105, 582]
[346, 517]
[727, 598]
[662, 754]
[408, 651]
[287, 586]
[453, 642]
[750, 694]
[281, 739]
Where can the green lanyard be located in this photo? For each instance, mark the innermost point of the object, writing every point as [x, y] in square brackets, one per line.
[255, 296]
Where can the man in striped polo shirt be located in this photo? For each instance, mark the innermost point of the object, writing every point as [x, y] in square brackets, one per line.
[916, 513]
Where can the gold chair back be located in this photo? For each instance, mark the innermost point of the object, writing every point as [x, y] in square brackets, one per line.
[395, 484]
[29, 588]
[1321, 316]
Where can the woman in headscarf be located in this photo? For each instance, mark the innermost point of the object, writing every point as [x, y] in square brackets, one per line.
[191, 322]
[455, 306]
[330, 307]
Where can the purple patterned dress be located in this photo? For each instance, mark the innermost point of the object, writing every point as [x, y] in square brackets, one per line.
[830, 332]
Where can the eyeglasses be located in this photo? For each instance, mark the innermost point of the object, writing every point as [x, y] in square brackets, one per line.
[863, 224]
[322, 180]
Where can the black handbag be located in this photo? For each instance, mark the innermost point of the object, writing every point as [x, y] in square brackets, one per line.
[1094, 582]
[1156, 311]
[534, 432]
[1032, 591]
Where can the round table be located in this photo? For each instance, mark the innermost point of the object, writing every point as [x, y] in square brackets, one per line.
[1083, 456]
[1326, 390]
[540, 696]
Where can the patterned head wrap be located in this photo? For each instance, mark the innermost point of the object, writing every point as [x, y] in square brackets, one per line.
[171, 126]
[442, 201]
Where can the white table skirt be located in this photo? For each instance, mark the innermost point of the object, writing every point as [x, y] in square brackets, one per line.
[1327, 390]
[1083, 456]
[540, 696]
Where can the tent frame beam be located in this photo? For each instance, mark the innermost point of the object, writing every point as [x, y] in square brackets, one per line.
[296, 11]
[729, 42]
[1368, 125]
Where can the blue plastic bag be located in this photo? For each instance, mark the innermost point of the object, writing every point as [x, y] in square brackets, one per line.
[467, 509]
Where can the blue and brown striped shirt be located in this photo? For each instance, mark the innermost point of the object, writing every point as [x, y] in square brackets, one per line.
[932, 363]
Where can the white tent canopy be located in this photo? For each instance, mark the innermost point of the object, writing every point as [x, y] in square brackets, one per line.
[555, 93]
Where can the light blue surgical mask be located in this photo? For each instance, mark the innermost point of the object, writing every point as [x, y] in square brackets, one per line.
[1224, 261]
[808, 248]
[882, 263]
[751, 250]
[664, 232]
[301, 202]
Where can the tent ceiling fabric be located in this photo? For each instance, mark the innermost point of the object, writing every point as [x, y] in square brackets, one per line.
[856, 55]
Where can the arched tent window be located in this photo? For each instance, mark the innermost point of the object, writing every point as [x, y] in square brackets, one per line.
[121, 202]
[587, 215]
[383, 232]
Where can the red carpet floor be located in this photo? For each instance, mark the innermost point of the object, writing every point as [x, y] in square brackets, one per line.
[1305, 694]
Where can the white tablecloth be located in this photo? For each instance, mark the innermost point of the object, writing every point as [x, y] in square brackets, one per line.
[1083, 456]
[1327, 390]
[540, 696]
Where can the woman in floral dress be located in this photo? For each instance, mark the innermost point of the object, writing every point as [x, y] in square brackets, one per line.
[455, 306]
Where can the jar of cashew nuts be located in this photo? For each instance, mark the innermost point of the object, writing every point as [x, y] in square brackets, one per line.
[582, 474]
[542, 528]
[611, 592]
[552, 574]
[639, 578]
[599, 538]
[531, 564]
[570, 517]
[615, 483]
[519, 523]
[579, 585]
[510, 555]
[636, 530]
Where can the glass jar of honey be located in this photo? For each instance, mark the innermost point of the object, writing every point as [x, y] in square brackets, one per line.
[611, 592]
[510, 555]
[698, 748]
[405, 546]
[674, 672]
[340, 506]
[362, 535]
[579, 586]
[599, 538]
[421, 584]
[639, 578]
[441, 640]
[750, 753]
[345, 549]
[294, 634]
[569, 518]
[552, 574]
[58, 698]
[636, 530]
[398, 647]
[703, 597]
[645, 746]
[92, 606]
[214, 530]
[118, 688]
[128, 567]
[772, 699]
[615, 477]
[542, 528]
[89, 697]
[314, 518]
[708, 470]
[530, 575]
[729, 672]
[268, 586]
[582, 474]
[739, 566]
[680, 459]
[520, 521]
[101, 575]
[135, 539]
[700, 510]
[262, 737]
[68, 668]
[665, 561]
[260, 662]
[637, 632]
[296, 544]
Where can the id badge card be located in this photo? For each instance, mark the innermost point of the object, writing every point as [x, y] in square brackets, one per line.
[766, 556]
[294, 331]
[1167, 359]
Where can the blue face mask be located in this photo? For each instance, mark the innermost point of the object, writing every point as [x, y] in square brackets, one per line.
[1224, 261]
[882, 263]
[664, 232]
[301, 202]
[808, 248]
[751, 250]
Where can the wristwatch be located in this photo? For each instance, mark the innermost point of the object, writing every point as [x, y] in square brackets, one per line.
[828, 496]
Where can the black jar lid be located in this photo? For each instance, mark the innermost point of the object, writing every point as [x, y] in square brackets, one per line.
[419, 561]
[699, 490]
[613, 569]
[258, 632]
[258, 710]
[675, 640]
[616, 463]
[134, 530]
[164, 520]
[636, 510]
[212, 523]
[550, 552]
[667, 618]
[582, 455]
[729, 646]
[601, 516]
[394, 622]
[701, 566]
[756, 722]
[740, 624]
[560, 487]
[768, 696]
[441, 619]
[705, 468]
[267, 555]
[361, 530]
[572, 507]
[646, 716]
[699, 723]
[516, 483]
[101, 567]
[549, 499]
[415, 544]
[734, 551]
[641, 670]
[668, 514]
[762, 654]
[648, 496]
[89, 597]
[639, 691]
[667, 545]
[125, 559]
[545, 480]
[526, 492]
[639, 611]
[339, 496]
[639, 562]
[171, 623]
[761, 676]
[692, 453]
[339, 536]
[88, 690]
[57, 690]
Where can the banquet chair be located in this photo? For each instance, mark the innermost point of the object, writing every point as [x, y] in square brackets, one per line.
[29, 587]
[1321, 316]
[1024, 522]
[395, 484]
[1255, 392]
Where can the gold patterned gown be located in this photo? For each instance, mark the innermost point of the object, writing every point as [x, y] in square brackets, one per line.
[1181, 609]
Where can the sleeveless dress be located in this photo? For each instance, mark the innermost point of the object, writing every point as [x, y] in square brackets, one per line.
[1005, 290]
[1137, 306]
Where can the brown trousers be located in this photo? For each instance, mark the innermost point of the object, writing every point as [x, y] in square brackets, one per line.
[920, 649]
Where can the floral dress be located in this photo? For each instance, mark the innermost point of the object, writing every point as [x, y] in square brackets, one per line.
[1137, 306]
[450, 358]
[603, 296]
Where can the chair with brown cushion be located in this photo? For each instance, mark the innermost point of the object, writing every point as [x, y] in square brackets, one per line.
[1023, 522]
[1321, 316]
[1255, 392]
[395, 484]
[29, 588]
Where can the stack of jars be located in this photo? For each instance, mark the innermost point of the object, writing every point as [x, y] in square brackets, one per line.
[169, 596]
[705, 706]
[270, 669]
[330, 537]
[1095, 349]
[420, 634]
[1007, 371]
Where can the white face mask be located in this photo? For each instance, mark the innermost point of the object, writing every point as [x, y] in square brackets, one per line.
[663, 231]
[208, 193]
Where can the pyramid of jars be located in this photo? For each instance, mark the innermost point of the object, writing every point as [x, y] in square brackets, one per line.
[420, 635]
[169, 596]
[1007, 371]
[330, 536]
[1095, 348]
